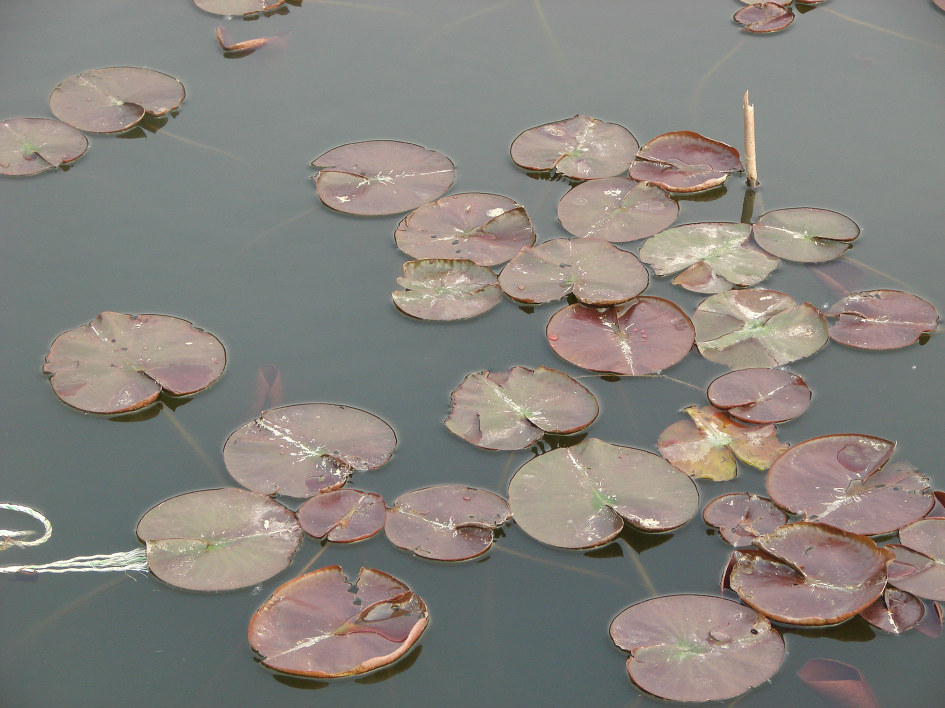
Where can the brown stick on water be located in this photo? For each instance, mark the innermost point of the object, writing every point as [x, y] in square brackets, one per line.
[751, 165]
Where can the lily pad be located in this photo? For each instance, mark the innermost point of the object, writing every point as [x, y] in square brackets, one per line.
[119, 363]
[804, 234]
[487, 229]
[697, 648]
[343, 515]
[919, 567]
[510, 410]
[840, 684]
[764, 17]
[895, 611]
[757, 328]
[843, 480]
[707, 445]
[580, 496]
[306, 449]
[115, 98]
[580, 147]
[219, 539]
[642, 336]
[742, 517]
[377, 177]
[684, 161]
[596, 272]
[32, 145]
[237, 7]
[810, 574]
[448, 522]
[760, 395]
[446, 289]
[319, 625]
[616, 209]
[881, 319]
[715, 256]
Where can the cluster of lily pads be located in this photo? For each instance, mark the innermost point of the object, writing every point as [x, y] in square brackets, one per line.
[819, 567]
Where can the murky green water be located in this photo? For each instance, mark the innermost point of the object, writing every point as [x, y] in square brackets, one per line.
[213, 219]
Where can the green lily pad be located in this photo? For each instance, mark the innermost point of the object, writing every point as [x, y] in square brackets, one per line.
[446, 289]
[804, 234]
[32, 145]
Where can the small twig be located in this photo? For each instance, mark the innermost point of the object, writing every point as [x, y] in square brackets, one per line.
[751, 165]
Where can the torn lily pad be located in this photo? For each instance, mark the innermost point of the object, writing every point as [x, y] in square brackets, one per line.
[32, 145]
[684, 161]
[714, 256]
[804, 234]
[446, 522]
[764, 17]
[446, 289]
[616, 209]
[343, 515]
[881, 319]
[119, 363]
[741, 517]
[919, 566]
[895, 611]
[321, 626]
[596, 272]
[760, 395]
[305, 449]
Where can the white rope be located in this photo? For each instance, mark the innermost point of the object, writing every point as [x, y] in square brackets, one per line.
[135, 560]
[10, 538]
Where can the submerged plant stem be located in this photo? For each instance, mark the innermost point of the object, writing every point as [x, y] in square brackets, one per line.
[555, 564]
[641, 571]
[195, 446]
[871, 269]
[204, 146]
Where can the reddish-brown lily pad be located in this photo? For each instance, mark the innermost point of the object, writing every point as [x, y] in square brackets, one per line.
[32, 145]
[308, 448]
[757, 328]
[377, 177]
[343, 515]
[446, 289]
[919, 567]
[843, 480]
[804, 234]
[487, 229]
[510, 410]
[684, 161]
[895, 611]
[763, 17]
[596, 272]
[881, 319]
[706, 446]
[697, 648]
[219, 539]
[319, 625]
[580, 496]
[115, 98]
[642, 336]
[715, 256]
[742, 517]
[580, 147]
[842, 685]
[448, 522]
[760, 395]
[237, 7]
[616, 209]
[119, 363]
[810, 574]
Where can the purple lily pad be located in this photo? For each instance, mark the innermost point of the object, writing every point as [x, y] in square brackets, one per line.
[804, 234]
[596, 272]
[616, 209]
[446, 289]
[318, 625]
[881, 319]
[842, 480]
[919, 567]
[580, 496]
[697, 648]
[343, 515]
[764, 17]
[684, 161]
[642, 336]
[305, 449]
[119, 363]
[715, 256]
[32, 145]
[487, 229]
[810, 574]
[706, 446]
[378, 177]
[115, 98]
[237, 7]
[895, 611]
[842, 685]
[219, 539]
[448, 522]
[760, 395]
[757, 328]
[580, 147]
[742, 517]
[510, 410]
